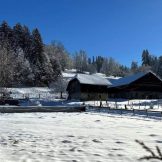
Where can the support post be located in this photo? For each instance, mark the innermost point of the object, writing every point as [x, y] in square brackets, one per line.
[133, 111]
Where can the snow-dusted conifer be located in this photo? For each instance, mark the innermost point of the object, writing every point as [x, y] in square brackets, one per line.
[37, 47]
[6, 66]
[57, 50]
[22, 71]
[6, 35]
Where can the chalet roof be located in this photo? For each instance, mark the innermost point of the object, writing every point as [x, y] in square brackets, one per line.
[92, 79]
[129, 79]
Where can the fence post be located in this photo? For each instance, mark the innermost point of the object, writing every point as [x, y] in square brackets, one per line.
[139, 104]
[133, 111]
[116, 105]
[147, 112]
[151, 105]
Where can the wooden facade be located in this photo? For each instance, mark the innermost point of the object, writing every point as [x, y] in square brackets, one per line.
[82, 91]
[139, 86]
[147, 86]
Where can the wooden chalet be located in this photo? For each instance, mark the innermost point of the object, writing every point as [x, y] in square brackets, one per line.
[88, 87]
[144, 85]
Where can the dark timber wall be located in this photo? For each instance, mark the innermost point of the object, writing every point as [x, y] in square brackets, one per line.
[86, 92]
[147, 87]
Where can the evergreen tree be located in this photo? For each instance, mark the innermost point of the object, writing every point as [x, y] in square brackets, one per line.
[89, 61]
[6, 66]
[134, 67]
[6, 34]
[22, 39]
[111, 67]
[37, 57]
[99, 62]
[81, 61]
[154, 64]
[37, 48]
[105, 67]
[32, 66]
[91, 68]
[58, 50]
[27, 42]
[22, 71]
[93, 60]
[124, 71]
[18, 37]
[159, 71]
[56, 68]
[145, 58]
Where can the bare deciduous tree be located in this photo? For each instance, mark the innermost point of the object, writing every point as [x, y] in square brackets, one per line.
[59, 86]
[80, 60]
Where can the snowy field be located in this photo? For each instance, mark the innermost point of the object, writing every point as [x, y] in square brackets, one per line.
[75, 137]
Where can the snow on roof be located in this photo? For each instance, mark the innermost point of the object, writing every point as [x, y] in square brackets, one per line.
[68, 75]
[112, 81]
[100, 74]
[113, 77]
[92, 79]
[128, 79]
[70, 70]
[74, 71]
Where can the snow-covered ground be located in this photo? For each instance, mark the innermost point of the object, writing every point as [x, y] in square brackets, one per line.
[45, 96]
[90, 136]
[35, 92]
[79, 137]
[68, 75]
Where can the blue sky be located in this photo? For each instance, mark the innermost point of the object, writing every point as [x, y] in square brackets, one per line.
[117, 28]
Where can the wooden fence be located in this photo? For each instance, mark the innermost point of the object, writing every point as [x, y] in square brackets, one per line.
[130, 104]
[146, 112]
